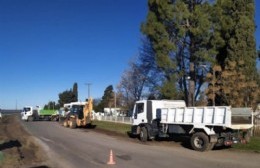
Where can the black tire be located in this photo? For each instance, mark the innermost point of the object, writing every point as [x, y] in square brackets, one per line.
[200, 142]
[72, 124]
[143, 134]
[30, 118]
[211, 146]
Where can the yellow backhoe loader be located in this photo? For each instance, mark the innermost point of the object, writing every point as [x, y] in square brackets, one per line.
[79, 115]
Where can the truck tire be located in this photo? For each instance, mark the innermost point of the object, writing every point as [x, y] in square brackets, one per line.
[143, 134]
[72, 124]
[200, 142]
[211, 146]
[65, 123]
[30, 118]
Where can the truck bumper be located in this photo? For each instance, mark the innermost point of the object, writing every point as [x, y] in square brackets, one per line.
[134, 130]
[235, 138]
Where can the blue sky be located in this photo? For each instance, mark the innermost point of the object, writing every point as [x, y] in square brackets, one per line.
[47, 45]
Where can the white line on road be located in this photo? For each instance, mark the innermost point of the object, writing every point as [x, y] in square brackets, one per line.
[46, 139]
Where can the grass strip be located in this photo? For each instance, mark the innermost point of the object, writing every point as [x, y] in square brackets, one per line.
[111, 126]
[253, 145]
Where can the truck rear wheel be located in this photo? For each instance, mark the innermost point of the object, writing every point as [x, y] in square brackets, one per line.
[211, 146]
[200, 142]
[143, 134]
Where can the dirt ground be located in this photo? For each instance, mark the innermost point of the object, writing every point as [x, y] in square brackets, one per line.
[17, 147]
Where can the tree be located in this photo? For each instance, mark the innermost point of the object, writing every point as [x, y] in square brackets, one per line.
[51, 105]
[107, 99]
[69, 96]
[234, 21]
[66, 97]
[131, 85]
[75, 91]
[96, 105]
[181, 36]
[141, 77]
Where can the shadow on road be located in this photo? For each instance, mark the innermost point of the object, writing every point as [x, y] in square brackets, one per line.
[130, 135]
[184, 141]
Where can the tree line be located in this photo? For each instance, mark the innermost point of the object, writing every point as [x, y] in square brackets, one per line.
[71, 95]
[66, 96]
[201, 51]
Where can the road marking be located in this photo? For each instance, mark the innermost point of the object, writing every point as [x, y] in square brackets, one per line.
[46, 139]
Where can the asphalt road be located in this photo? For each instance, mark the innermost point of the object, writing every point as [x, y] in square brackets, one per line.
[87, 148]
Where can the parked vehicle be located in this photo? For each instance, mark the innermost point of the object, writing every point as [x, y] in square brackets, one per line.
[79, 115]
[206, 126]
[65, 110]
[30, 114]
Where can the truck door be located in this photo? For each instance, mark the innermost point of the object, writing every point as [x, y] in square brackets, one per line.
[139, 114]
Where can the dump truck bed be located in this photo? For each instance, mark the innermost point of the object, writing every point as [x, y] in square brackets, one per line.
[224, 116]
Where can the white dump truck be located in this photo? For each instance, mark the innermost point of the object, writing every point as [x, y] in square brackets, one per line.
[206, 126]
[35, 114]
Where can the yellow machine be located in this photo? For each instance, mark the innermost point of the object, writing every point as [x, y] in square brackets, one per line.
[79, 115]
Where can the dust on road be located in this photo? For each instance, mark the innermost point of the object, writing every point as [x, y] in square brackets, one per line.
[17, 147]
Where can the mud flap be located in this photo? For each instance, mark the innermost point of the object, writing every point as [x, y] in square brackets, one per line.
[213, 139]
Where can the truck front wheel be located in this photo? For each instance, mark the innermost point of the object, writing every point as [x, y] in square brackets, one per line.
[200, 142]
[65, 123]
[30, 118]
[143, 134]
[72, 124]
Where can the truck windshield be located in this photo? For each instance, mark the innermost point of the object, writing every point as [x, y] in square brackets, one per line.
[140, 108]
[26, 109]
[76, 109]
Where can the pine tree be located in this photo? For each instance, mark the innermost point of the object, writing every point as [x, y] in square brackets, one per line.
[237, 57]
[181, 35]
[75, 91]
[108, 97]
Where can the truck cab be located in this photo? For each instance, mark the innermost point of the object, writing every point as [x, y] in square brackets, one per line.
[26, 113]
[147, 115]
[145, 111]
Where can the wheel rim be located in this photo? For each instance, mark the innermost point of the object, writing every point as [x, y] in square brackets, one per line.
[141, 134]
[198, 142]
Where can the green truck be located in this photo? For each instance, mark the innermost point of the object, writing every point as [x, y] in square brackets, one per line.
[30, 114]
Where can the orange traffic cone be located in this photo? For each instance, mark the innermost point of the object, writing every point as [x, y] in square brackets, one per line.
[111, 159]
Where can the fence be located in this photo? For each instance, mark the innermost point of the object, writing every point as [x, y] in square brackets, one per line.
[125, 120]
[256, 130]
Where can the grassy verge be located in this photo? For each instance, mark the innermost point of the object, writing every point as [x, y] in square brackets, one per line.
[253, 145]
[114, 127]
